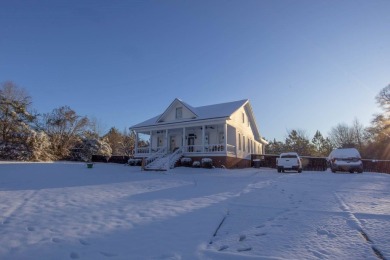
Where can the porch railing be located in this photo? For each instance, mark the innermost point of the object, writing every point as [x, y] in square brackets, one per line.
[210, 148]
[155, 156]
[142, 150]
[145, 150]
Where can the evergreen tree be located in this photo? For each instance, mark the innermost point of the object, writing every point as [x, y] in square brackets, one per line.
[275, 147]
[297, 141]
[321, 146]
[115, 139]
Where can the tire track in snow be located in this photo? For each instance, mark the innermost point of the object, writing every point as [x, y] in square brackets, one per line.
[249, 188]
[355, 223]
[18, 204]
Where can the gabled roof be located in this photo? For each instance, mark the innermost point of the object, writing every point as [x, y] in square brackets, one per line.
[175, 102]
[223, 110]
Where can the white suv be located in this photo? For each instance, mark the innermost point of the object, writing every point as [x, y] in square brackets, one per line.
[345, 159]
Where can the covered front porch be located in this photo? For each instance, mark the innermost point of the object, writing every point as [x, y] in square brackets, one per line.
[200, 140]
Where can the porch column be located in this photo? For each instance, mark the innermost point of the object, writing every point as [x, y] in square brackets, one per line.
[203, 136]
[136, 143]
[166, 140]
[150, 142]
[184, 137]
[225, 137]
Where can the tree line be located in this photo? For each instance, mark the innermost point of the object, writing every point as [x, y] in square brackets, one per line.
[373, 141]
[61, 134]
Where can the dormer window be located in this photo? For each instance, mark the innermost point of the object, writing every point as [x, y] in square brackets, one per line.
[179, 112]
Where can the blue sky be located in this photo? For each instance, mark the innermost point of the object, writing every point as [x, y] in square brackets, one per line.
[302, 64]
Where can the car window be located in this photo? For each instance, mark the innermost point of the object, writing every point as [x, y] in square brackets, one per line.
[289, 156]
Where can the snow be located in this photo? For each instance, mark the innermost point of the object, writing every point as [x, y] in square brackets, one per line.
[222, 110]
[344, 153]
[66, 211]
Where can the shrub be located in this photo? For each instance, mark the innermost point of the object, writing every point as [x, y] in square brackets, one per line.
[185, 161]
[196, 164]
[134, 162]
[207, 163]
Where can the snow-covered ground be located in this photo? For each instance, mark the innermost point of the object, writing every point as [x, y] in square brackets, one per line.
[67, 211]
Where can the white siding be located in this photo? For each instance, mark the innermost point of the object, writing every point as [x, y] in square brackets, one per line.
[244, 129]
[171, 115]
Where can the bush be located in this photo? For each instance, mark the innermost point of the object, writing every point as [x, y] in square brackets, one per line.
[185, 161]
[18, 152]
[207, 163]
[134, 162]
[196, 164]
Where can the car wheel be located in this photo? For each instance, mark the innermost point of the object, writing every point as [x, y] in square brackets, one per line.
[351, 171]
[279, 170]
[300, 170]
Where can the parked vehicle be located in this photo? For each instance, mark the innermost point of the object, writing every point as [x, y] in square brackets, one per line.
[345, 159]
[289, 161]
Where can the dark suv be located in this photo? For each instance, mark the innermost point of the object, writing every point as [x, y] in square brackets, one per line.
[345, 159]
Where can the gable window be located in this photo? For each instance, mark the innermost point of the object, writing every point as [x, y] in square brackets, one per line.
[179, 112]
[243, 118]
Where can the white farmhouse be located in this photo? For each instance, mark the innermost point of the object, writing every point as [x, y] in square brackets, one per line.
[227, 133]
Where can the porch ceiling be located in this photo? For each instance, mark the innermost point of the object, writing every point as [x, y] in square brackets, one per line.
[179, 127]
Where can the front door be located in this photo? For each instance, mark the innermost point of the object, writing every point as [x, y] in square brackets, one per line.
[190, 143]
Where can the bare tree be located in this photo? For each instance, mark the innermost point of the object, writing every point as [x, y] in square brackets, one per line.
[15, 119]
[383, 98]
[128, 143]
[341, 136]
[64, 128]
[344, 136]
[379, 131]
[359, 133]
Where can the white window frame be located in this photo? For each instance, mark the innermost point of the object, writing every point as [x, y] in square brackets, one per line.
[179, 112]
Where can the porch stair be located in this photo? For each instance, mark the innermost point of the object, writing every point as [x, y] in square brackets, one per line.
[164, 162]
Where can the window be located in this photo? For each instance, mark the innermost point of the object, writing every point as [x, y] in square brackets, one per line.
[239, 141]
[243, 143]
[243, 118]
[179, 112]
